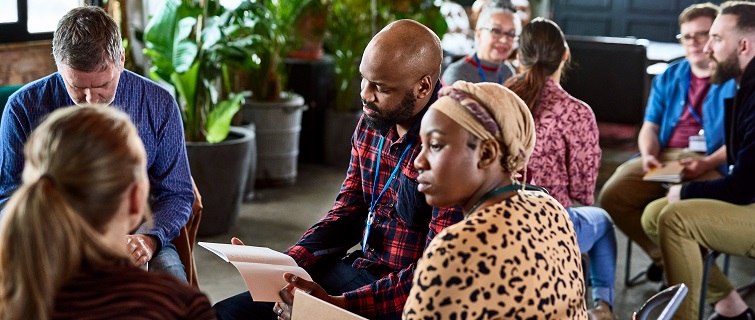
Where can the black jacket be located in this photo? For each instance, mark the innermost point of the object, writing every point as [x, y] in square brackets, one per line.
[737, 187]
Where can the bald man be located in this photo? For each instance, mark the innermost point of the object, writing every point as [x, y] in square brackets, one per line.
[378, 206]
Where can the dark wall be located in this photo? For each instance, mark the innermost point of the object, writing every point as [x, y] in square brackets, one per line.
[655, 20]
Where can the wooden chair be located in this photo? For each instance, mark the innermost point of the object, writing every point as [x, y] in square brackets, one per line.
[188, 237]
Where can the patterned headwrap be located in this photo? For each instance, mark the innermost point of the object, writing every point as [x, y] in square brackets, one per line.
[491, 111]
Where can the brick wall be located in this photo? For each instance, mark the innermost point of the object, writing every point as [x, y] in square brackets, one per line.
[21, 63]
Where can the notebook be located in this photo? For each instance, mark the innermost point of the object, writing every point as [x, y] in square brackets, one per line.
[671, 172]
[307, 307]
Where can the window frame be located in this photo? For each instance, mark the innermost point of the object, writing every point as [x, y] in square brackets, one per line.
[14, 32]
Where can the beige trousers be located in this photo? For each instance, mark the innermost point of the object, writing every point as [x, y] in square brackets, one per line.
[684, 228]
[625, 196]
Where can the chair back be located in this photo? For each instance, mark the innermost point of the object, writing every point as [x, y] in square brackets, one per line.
[188, 237]
[672, 297]
[5, 93]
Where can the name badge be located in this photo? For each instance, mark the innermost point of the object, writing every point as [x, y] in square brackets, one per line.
[697, 143]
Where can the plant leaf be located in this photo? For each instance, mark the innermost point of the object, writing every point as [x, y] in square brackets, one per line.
[219, 120]
[186, 86]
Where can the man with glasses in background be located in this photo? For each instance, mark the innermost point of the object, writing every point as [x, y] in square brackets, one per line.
[683, 122]
[495, 38]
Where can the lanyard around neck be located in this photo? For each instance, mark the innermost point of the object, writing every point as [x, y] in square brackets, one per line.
[493, 193]
[375, 200]
[482, 74]
[694, 114]
[377, 173]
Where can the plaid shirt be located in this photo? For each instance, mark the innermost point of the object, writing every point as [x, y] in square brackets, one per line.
[403, 225]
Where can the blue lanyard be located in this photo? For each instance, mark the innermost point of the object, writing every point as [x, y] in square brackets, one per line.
[373, 204]
[482, 74]
[694, 114]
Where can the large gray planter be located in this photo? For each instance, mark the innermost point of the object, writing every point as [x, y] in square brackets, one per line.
[220, 171]
[277, 126]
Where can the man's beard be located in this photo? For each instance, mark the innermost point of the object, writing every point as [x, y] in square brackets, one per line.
[404, 111]
[725, 70]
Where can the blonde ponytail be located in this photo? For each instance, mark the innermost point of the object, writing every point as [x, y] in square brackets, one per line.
[79, 163]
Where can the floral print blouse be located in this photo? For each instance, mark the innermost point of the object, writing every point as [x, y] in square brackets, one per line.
[567, 155]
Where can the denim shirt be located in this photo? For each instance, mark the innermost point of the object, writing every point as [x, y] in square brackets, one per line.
[668, 98]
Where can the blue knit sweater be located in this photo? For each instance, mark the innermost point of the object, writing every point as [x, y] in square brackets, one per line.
[158, 121]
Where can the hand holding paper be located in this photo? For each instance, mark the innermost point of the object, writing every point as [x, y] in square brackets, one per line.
[261, 268]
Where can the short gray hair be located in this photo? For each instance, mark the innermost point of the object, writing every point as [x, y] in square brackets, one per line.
[494, 7]
[87, 39]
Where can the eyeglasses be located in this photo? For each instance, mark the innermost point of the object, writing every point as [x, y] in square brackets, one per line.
[498, 33]
[698, 37]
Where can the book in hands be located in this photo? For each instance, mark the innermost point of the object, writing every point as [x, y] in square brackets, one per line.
[307, 307]
[261, 268]
[671, 172]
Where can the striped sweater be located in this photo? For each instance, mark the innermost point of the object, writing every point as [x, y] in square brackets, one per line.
[125, 292]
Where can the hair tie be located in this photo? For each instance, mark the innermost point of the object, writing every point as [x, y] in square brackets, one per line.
[49, 177]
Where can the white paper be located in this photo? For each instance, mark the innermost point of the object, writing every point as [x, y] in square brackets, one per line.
[265, 281]
[232, 252]
[261, 268]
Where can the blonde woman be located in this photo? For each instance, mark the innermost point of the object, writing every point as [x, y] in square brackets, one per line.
[84, 189]
[515, 255]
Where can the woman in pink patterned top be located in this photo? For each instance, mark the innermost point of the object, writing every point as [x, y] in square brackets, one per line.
[567, 155]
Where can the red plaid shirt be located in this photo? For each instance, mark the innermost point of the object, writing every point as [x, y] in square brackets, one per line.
[403, 225]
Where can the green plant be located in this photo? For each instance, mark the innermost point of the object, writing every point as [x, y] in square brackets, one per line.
[190, 49]
[349, 33]
[426, 12]
[272, 24]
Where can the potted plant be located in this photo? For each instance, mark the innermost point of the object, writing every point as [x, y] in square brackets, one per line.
[310, 27]
[348, 35]
[189, 49]
[275, 114]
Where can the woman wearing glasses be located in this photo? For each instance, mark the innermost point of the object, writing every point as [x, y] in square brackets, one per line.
[495, 37]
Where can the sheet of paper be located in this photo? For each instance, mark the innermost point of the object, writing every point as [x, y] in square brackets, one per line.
[264, 281]
[232, 252]
[307, 307]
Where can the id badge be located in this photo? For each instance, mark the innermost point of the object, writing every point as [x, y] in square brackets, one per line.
[697, 143]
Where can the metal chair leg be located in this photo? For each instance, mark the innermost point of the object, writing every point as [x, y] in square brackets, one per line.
[709, 260]
[631, 280]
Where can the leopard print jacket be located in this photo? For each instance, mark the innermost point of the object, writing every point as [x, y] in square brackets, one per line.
[517, 259]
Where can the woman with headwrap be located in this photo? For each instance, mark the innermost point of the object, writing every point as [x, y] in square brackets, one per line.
[515, 254]
[566, 156]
